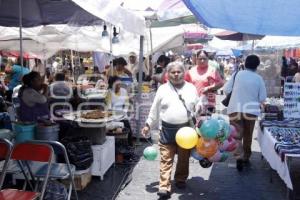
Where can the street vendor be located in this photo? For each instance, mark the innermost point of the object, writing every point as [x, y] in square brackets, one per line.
[117, 99]
[172, 104]
[119, 68]
[33, 100]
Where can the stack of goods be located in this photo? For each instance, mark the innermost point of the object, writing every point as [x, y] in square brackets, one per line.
[273, 109]
[142, 110]
[286, 123]
[96, 114]
[287, 140]
[272, 112]
[94, 93]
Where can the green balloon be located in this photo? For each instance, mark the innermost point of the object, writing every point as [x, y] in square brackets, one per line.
[210, 129]
[150, 153]
[224, 156]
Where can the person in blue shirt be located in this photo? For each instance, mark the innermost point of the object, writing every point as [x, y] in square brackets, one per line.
[17, 71]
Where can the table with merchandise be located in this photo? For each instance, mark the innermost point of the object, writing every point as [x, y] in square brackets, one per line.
[280, 143]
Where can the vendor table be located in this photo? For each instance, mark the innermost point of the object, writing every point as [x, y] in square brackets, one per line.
[282, 166]
[94, 129]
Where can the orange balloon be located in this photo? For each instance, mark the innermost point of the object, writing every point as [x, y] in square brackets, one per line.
[206, 148]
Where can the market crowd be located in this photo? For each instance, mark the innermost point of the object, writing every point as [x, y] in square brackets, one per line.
[186, 90]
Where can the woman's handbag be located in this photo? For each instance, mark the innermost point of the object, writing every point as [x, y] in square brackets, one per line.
[168, 132]
[226, 100]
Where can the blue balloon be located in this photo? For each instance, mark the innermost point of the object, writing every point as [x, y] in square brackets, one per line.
[220, 118]
[195, 154]
[224, 130]
[209, 129]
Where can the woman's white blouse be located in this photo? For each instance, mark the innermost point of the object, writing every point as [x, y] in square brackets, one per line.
[169, 108]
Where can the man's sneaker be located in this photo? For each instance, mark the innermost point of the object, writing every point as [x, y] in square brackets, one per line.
[180, 185]
[164, 194]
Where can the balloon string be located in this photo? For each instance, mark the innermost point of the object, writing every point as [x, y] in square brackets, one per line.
[147, 140]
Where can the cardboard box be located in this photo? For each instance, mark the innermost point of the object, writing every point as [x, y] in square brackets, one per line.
[81, 179]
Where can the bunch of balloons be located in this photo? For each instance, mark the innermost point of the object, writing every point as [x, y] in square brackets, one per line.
[215, 142]
[211, 142]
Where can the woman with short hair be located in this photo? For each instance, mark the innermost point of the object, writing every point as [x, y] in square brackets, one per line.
[172, 105]
[248, 94]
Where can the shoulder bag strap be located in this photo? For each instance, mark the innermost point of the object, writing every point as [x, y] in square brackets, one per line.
[183, 102]
[234, 80]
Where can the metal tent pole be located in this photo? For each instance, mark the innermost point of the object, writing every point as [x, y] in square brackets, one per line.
[140, 88]
[20, 32]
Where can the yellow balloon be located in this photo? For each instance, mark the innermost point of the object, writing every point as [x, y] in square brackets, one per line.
[186, 137]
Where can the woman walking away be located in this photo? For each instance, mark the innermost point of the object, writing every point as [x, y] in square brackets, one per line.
[248, 95]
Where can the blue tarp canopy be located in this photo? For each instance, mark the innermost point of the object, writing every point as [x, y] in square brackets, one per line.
[262, 17]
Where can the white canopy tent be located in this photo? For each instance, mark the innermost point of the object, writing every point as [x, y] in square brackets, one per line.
[278, 42]
[44, 41]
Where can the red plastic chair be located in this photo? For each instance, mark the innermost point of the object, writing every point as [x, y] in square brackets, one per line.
[60, 171]
[5, 152]
[28, 152]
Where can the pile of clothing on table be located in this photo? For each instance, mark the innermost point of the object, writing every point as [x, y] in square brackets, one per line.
[287, 140]
[285, 123]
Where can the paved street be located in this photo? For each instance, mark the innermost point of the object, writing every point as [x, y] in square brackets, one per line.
[220, 182]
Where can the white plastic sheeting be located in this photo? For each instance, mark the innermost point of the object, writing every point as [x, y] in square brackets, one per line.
[171, 9]
[112, 12]
[278, 42]
[44, 41]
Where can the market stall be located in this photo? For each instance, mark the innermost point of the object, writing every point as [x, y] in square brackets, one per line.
[279, 160]
[279, 133]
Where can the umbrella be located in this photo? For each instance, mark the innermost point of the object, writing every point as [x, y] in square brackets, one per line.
[17, 54]
[237, 36]
[29, 13]
[74, 12]
[194, 46]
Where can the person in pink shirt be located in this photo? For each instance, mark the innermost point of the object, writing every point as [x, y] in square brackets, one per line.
[206, 79]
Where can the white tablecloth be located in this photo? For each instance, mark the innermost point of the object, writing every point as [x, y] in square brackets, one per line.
[267, 142]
